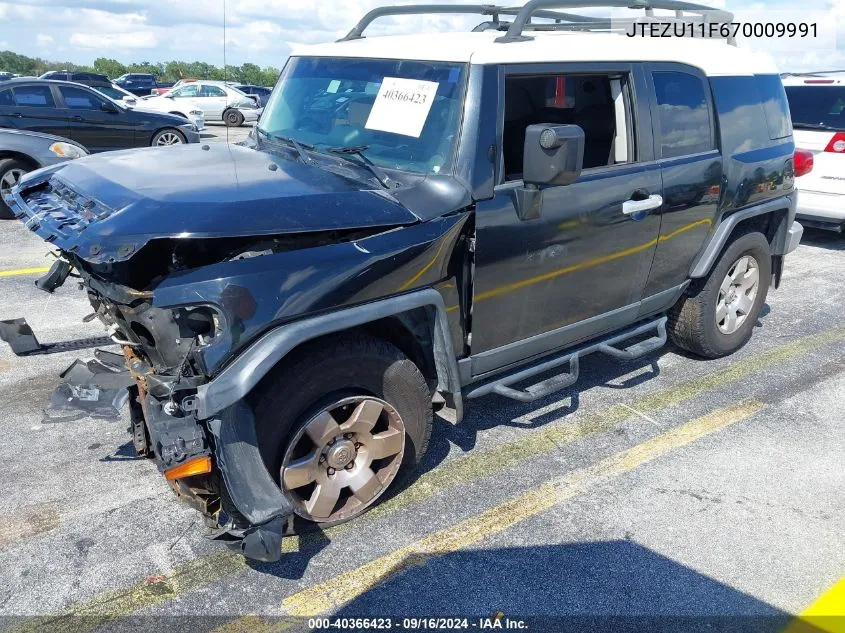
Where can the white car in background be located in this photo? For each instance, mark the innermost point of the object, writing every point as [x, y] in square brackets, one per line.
[817, 105]
[217, 100]
[116, 93]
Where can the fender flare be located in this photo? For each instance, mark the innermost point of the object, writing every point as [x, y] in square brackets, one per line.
[239, 377]
[707, 259]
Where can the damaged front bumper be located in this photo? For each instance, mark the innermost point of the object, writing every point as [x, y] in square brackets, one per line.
[242, 505]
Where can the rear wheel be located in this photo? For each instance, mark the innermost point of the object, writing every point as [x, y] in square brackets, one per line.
[11, 170]
[717, 315]
[233, 118]
[340, 423]
[168, 136]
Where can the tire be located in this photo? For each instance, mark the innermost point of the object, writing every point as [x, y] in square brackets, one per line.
[11, 170]
[693, 322]
[168, 137]
[233, 118]
[362, 372]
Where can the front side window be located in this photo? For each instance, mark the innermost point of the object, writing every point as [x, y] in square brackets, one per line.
[111, 92]
[405, 114]
[190, 90]
[683, 115]
[34, 97]
[598, 104]
[817, 107]
[78, 99]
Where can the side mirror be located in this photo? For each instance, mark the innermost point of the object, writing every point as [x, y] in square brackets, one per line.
[553, 156]
[107, 106]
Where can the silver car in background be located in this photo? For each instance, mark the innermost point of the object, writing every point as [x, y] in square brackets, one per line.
[217, 100]
[22, 151]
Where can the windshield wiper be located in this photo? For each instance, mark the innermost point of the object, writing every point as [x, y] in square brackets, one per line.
[813, 126]
[290, 141]
[358, 150]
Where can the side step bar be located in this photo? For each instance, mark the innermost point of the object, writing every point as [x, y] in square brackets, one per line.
[502, 386]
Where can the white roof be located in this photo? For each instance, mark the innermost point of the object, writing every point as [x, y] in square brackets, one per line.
[713, 56]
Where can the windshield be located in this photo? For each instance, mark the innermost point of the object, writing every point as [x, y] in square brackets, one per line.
[817, 106]
[402, 114]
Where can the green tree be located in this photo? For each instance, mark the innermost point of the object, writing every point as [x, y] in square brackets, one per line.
[109, 67]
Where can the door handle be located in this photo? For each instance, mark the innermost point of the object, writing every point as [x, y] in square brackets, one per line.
[17, 115]
[630, 207]
[78, 118]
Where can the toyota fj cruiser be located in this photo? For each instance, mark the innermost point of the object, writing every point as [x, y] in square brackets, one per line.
[415, 222]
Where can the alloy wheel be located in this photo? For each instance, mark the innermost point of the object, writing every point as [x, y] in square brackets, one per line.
[169, 138]
[343, 459]
[10, 179]
[737, 294]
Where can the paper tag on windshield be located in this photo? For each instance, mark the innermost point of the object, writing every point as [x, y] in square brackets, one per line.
[402, 106]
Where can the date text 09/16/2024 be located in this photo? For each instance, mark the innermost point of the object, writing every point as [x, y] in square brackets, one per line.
[498, 621]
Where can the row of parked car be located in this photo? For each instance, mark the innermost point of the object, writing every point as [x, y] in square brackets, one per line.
[63, 115]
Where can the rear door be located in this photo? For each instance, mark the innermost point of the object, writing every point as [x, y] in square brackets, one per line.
[32, 107]
[691, 165]
[93, 121]
[818, 121]
[213, 101]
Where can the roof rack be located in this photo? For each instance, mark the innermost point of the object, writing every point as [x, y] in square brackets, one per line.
[548, 9]
[467, 9]
[698, 12]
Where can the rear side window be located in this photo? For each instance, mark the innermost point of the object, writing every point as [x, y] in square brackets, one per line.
[77, 99]
[774, 105]
[683, 115]
[212, 91]
[813, 107]
[34, 97]
[6, 98]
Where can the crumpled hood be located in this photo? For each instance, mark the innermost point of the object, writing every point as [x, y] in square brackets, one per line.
[108, 206]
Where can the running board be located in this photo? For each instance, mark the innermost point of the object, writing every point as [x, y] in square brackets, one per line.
[502, 386]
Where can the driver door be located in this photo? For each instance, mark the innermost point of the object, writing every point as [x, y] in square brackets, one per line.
[580, 268]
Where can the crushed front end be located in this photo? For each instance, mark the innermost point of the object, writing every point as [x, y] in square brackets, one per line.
[186, 276]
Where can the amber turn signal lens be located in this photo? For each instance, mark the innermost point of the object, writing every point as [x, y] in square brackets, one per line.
[196, 466]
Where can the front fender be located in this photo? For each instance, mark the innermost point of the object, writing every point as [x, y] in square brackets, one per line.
[247, 369]
[257, 294]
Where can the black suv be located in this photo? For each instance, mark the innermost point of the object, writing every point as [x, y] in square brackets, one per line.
[77, 112]
[400, 236]
[81, 77]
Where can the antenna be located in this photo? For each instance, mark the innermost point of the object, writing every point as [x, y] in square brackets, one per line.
[225, 67]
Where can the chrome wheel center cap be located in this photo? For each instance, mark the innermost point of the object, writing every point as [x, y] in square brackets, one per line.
[340, 454]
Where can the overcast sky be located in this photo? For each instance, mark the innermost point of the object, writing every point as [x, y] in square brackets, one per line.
[260, 31]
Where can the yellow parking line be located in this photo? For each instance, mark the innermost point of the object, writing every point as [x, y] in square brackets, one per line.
[827, 614]
[23, 271]
[206, 570]
[486, 462]
[333, 593]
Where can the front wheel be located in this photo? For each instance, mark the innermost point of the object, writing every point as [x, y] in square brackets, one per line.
[233, 118]
[11, 171]
[340, 423]
[717, 314]
[168, 136]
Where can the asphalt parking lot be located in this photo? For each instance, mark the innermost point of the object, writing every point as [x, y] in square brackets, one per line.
[665, 492]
